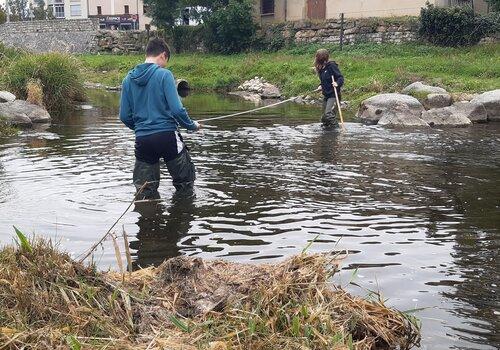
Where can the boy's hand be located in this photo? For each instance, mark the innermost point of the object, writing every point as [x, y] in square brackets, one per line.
[198, 126]
[318, 89]
[335, 84]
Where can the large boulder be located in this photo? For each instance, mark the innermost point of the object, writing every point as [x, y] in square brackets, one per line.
[472, 110]
[6, 96]
[445, 117]
[394, 106]
[491, 102]
[13, 110]
[420, 88]
[437, 101]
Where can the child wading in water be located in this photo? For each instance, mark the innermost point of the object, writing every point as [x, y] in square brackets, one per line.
[327, 70]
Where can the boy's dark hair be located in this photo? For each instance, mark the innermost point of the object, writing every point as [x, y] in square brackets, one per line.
[157, 46]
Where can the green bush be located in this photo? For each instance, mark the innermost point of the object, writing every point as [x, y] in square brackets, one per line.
[186, 38]
[230, 28]
[454, 26]
[3, 15]
[59, 75]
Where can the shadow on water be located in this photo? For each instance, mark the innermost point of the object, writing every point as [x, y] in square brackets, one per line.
[418, 211]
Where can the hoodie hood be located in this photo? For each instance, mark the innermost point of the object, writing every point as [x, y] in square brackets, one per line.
[143, 72]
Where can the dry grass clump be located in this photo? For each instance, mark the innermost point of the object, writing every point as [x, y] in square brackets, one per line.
[34, 92]
[48, 301]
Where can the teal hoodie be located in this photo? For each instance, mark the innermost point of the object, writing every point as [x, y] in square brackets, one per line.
[149, 102]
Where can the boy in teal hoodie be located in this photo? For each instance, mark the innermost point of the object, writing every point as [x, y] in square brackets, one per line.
[151, 107]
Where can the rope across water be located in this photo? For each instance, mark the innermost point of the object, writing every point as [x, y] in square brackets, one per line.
[247, 112]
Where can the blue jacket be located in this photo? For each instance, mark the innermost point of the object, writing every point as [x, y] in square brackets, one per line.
[149, 102]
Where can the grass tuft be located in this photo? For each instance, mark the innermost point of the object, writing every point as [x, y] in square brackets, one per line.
[51, 301]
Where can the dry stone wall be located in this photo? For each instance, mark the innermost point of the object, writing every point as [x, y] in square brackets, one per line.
[374, 30]
[74, 36]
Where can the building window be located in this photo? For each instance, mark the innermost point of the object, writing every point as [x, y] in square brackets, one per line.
[59, 10]
[99, 10]
[75, 10]
[267, 7]
[126, 9]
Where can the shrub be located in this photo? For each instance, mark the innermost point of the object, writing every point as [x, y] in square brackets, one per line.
[453, 26]
[186, 38]
[3, 15]
[58, 74]
[230, 28]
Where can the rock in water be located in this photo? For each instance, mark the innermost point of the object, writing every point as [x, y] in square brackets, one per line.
[400, 117]
[12, 110]
[437, 101]
[472, 110]
[395, 107]
[421, 88]
[6, 96]
[270, 91]
[491, 102]
[446, 116]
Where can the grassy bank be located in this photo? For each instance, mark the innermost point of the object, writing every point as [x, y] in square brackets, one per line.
[51, 301]
[369, 69]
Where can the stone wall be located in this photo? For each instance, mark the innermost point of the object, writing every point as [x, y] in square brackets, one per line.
[121, 42]
[75, 36]
[374, 30]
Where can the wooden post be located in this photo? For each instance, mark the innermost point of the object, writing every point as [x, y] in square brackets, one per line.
[341, 31]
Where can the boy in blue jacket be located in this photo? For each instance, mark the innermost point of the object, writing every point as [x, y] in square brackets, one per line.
[151, 107]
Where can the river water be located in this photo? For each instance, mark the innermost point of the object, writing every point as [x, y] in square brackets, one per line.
[417, 211]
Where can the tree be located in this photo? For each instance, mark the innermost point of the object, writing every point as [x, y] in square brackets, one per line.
[3, 15]
[230, 28]
[18, 9]
[163, 12]
[494, 4]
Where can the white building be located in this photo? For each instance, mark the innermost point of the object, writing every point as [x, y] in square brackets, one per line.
[68, 9]
[112, 14]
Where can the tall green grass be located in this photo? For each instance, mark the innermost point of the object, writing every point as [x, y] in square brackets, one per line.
[59, 75]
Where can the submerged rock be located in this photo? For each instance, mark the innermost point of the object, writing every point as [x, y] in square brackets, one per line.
[420, 88]
[247, 96]
[394, 107]
[6, 96]
[491, 102]
[17, 111]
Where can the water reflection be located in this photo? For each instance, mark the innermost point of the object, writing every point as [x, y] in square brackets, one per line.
[161, 228]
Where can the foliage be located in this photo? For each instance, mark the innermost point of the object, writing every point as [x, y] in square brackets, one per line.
[186, 38]
[494, 4]
[453, 26]
[230, 28]
[163, 12]
[271, 38]
[18, 9]
[3, 15]
[58, 74]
